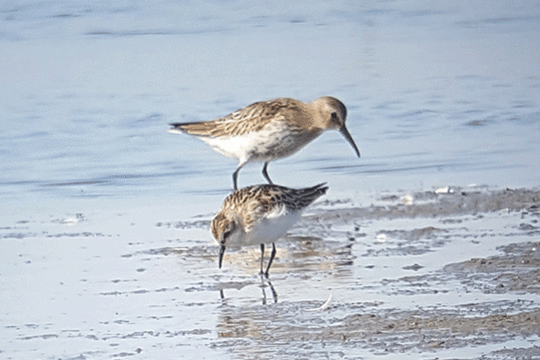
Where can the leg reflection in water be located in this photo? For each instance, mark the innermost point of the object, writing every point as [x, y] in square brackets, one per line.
[264, 284]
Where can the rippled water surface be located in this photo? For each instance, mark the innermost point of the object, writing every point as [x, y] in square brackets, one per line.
[104, 223]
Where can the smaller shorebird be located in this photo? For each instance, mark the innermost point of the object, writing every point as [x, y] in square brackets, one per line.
[269, 130]
[261, 214]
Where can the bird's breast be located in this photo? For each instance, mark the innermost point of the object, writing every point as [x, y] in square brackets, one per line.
[279, 141]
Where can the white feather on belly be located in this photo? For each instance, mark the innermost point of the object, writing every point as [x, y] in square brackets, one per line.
[256, 146]
[233, 146]
[269, 229]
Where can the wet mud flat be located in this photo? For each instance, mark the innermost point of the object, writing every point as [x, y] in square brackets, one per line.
[450, 273]
[460, 275]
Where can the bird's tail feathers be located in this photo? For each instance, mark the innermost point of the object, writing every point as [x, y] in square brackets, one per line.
[192, 128]
[311, 194]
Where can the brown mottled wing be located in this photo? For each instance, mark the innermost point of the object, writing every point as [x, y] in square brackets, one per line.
[277, 196]
[253, 117]
[257, 201]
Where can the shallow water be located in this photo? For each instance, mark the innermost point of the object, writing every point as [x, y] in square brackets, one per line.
[106, 251]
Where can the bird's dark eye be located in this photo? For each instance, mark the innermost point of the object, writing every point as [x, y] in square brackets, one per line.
[335, 117]
[229, 231]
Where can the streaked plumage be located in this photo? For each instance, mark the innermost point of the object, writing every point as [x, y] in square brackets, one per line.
[269, 130]
[261, 214]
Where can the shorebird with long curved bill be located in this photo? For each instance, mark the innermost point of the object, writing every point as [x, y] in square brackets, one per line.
[269, 130]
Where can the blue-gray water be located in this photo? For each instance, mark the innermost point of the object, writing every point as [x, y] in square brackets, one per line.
[436, 96]
[439, 94]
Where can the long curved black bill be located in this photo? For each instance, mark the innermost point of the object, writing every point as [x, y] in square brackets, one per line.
[349, 139]
[221, 252]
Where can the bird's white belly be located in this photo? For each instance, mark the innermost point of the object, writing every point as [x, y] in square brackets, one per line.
[232, 146]
[267, 144]
[268, 230]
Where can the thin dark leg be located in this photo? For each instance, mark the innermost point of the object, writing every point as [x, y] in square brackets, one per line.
[265, 173]
[235, 174]
[272, 255]
[235, 178]
[262, 257]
